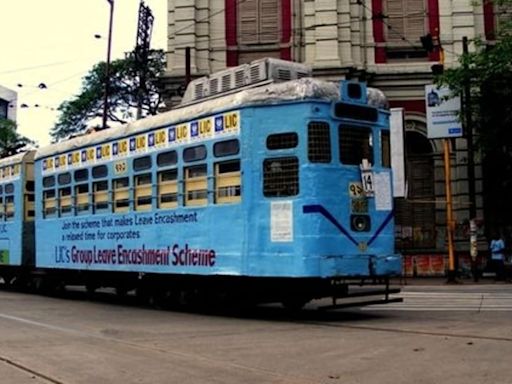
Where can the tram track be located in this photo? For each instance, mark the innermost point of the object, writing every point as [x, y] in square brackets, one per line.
[178, 355]
[21, 367]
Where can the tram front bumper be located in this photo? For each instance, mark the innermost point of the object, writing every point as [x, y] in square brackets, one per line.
[361, 265]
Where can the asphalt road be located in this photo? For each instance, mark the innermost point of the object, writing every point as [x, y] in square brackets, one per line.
[440, 334]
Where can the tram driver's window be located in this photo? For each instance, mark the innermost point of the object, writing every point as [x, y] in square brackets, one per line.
[355, 144]
[281, 177]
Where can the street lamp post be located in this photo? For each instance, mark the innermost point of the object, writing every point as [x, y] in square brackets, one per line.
[107, 74]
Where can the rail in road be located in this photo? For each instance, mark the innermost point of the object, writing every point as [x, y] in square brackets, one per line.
[480, 298]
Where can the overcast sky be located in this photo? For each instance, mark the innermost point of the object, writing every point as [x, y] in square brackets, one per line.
[52, 42]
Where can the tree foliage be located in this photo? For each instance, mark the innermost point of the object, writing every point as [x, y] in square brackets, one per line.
[125, 91]
[488, 71]
[10, 141]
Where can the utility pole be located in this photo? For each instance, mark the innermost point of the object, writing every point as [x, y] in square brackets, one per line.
[144, 28]
[187, 66]
[468, 127]
[468, 120]
[107, 65]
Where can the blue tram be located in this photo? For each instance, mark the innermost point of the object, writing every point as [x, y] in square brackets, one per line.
[16, 216]
[264, 183]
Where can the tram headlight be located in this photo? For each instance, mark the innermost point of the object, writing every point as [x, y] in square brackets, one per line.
[360, 223]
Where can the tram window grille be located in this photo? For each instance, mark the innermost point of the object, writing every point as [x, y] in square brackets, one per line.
[65, 203]
[48, 181]
[100, 195]
[142, 163]
[196, 185]
[29, 186]
[227, 182]
[168, 188]
[121, 194]
[82, 197]
[226, 148]
[99, 171]
[9, 188]
[355, 144]
[81, 174]
[143, 192]
[194, 153]
[166, 159]
[319, 142]
[49, 203]
[281, 177]
[282, 140]
[9, 208]
[385, 147]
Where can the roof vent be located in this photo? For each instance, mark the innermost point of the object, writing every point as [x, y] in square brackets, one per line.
[257, 73]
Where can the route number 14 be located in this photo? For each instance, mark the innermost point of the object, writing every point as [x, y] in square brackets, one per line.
[367, 179]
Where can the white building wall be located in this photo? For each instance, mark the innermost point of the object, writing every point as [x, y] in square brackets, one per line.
[11, 97]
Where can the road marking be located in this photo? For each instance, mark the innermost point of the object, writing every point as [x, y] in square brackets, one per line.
[449, 301]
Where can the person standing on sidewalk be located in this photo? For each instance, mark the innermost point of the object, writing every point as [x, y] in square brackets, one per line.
[497, 248]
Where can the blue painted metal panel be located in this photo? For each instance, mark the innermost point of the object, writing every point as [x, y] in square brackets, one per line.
[249, 238]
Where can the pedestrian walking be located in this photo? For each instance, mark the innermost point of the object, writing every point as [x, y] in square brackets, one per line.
[497, 248]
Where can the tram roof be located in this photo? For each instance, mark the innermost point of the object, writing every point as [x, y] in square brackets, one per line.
[17, 158]
[294, 90]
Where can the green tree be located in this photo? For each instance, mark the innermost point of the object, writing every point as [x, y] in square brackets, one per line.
[488, 69]
[125, 89]
[10, 141]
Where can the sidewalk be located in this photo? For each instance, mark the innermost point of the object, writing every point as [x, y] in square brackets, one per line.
[487, 279]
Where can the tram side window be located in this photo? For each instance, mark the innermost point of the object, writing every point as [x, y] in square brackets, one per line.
[29, 207]
[227, 182]
[196, 185]
[29, 200]
[355, 144]
[121, 194]
[81, 175]
[143, 192]
[194, 153]
[100, 196]
[64, 178]
[99, 172]
[65, 200]
[9, 201]
[166, 159]
[48, 181]
[142, 163]
[281, 177]
[9, 207]
[319, 142]
[2, 209]
[49, 203]
[283, 140]
[82, 198]
[226, 148]
[168, 188]
[385, 144]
